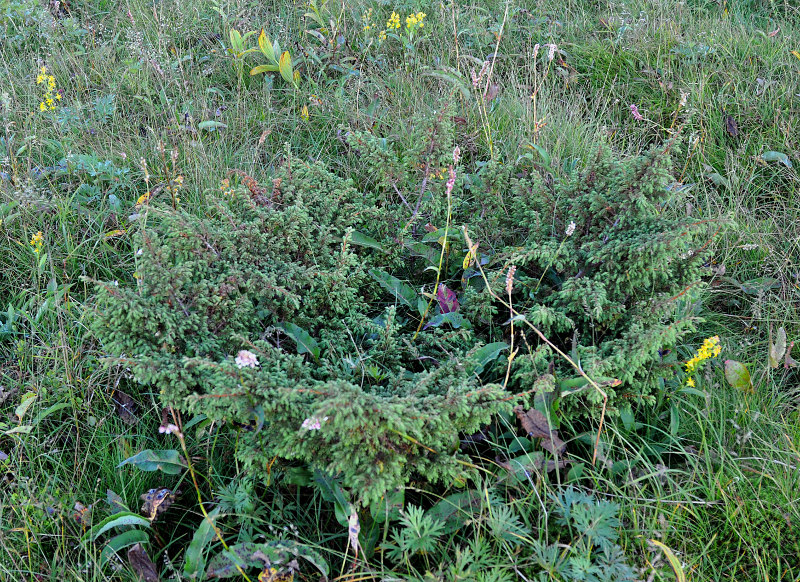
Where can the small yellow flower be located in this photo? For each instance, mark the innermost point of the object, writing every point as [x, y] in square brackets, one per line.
[690, 382]
[393, 22]
[37, 241]
[709, 349]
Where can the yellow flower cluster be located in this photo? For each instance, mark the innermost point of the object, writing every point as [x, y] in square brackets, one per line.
[394, 22]
[366, 18]
[414, 21]
[51, 95]
[709, 349]
[225, 187]
[37, 241]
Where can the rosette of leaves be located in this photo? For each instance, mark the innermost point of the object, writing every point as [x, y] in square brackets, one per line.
[341, 381]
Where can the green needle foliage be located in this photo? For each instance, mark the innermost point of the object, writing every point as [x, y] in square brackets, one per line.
[343, 379]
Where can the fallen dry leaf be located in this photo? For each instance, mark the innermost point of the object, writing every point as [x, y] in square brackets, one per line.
[535, 424]
[126, 407]
[731, 126]
[142, 564]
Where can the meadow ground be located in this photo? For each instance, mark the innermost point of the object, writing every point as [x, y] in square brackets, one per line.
[102, 102]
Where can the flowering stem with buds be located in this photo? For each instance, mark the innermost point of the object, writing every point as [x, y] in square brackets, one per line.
[451, 182]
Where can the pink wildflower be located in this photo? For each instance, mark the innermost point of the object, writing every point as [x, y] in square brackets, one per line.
[246, 359]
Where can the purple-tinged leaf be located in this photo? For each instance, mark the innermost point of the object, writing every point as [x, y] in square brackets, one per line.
[448, 302]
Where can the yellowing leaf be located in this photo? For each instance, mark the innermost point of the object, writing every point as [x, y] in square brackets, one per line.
[777, 349]
[27, 400]
[470, 256]
[266, 47]
[304, 113]
[285, 66]
[673, 560]
[737, 376]
[796, 53]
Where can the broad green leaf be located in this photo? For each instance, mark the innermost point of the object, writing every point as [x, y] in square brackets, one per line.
[211, 125]
[50, 410]
[454, 78]
[363, 240]
[388, 507]
[777, 349]
[486, 355]
[263, 69]
[737, 376]
[266, 47]
[542, 153]
[285, 65]
[453, 234]
[759, 285]
[305, 343]
[194, 560]
[430, 254]
[402, 292]
[456, 509]
[24, 429]
[777, 157]
[252, 555]
[169, 461]
[122, 541]
[112, 521]
[236, 39]
[332, 492]
[454, 318]
[526, 468]
[718, 179]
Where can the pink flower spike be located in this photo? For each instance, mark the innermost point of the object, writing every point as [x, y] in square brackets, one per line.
[635, 111]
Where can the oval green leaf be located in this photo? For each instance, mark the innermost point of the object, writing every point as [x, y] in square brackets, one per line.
[169, 461]
[737, 375]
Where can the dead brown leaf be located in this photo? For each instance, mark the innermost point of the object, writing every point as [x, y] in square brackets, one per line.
[142, 564]
[535, 424]
[492, 92]
[731, 126]
[126, 407]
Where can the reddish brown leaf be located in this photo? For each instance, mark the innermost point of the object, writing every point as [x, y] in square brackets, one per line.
[535, 424]
[788, 360]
